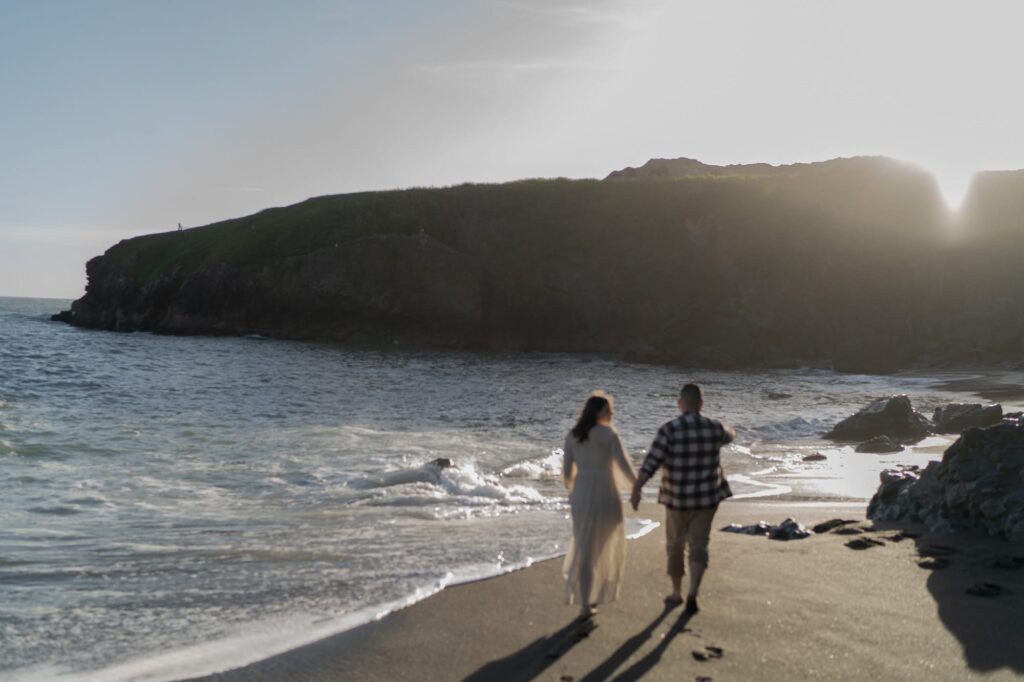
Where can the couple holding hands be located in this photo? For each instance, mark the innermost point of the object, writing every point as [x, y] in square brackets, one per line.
[595, 467]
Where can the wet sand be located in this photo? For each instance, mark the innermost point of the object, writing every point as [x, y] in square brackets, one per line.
[1006, 387]
[770, 610]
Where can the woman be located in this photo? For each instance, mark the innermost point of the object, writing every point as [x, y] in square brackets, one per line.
[594, 463]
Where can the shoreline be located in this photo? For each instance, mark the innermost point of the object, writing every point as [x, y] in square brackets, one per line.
[289, 633]
[802, 609]
[774, 495]
[196, 661]
[1006, 386]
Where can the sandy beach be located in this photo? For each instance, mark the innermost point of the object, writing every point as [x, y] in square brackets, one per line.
[805, 609]
[997, 385]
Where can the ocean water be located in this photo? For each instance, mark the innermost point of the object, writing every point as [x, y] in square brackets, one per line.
[171, 506]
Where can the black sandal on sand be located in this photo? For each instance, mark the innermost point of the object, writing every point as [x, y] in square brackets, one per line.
[673, 601]
[691, 605]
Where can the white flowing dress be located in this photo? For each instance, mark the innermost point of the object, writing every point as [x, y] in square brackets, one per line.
[594, 472]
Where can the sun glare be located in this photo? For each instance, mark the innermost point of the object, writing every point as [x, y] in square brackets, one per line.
[953, 187]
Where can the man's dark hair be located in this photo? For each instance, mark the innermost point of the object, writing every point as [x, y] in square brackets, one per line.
[692, 394]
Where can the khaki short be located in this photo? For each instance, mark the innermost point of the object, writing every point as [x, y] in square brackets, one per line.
[687, 528]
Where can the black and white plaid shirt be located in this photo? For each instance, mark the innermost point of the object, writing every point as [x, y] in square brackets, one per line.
[688, 450]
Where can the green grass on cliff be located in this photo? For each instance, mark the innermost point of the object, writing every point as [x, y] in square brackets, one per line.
[513, 222]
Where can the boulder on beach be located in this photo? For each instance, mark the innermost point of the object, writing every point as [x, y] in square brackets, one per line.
[790, 529]
[879, 445]
[894, 417]
[815, 457]
[759, 528]
[832, 524]
[956, 417]
[977, 487]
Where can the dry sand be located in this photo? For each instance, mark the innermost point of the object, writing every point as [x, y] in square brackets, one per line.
[805, 609]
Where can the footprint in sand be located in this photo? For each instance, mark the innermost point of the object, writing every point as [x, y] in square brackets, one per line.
[936, 564]
[1007, 563]
[864, 543]
[937, 551]
[709, 653]
[985, 590]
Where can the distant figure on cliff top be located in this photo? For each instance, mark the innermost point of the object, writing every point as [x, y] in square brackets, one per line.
[692, 485]
[594, 462]
[179, 227]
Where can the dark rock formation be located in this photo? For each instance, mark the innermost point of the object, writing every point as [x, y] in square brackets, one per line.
[894, 417]
[841, 263]
[759, 528]
[880, 445]
[814, 457]
[864, 543]
[789, 529]
[956, 417]
[978, 486]
[832, 524]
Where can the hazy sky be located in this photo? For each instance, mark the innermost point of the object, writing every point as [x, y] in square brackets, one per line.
[125, 117]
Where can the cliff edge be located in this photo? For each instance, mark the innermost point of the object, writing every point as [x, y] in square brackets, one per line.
[845, 263]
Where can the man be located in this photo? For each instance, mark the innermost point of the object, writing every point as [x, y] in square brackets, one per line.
[692, 485]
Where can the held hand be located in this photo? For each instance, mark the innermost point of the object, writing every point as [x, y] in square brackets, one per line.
[634, 498]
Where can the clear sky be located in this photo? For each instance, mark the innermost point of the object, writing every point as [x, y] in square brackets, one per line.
[122, 117]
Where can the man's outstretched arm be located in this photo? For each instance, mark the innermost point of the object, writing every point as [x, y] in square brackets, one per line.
[728, 434]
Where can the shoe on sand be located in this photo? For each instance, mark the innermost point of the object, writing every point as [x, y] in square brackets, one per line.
[691, 605]
[673, 601]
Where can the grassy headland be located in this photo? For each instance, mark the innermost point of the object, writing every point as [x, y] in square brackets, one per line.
[851, 262]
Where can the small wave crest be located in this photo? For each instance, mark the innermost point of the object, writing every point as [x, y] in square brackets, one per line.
[461, 485]
[796, 427]
[543, 467]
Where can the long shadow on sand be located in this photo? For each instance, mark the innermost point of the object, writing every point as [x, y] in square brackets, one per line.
[987, 622]
[534, 658]
[631, 645]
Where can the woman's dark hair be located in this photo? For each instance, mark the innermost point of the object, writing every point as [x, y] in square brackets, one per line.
[597, 401]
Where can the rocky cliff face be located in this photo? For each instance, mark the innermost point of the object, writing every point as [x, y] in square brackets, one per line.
[843, 262]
